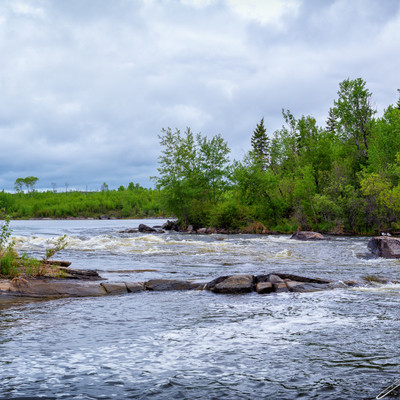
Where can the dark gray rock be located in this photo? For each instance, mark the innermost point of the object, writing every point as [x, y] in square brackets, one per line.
[134, 287]
[81, 274]
[170, 226]
[307, 235]
[115, 288]
[384, 246]
[298, 278]
[307, 287]
[145, 229]
[274, 279]
[171, 284]
[234, 284]
[43, 288]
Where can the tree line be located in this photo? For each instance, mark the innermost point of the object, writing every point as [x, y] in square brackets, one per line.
[343, 177]
[132, 201]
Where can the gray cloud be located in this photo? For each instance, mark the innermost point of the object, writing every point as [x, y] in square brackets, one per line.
[87, 85]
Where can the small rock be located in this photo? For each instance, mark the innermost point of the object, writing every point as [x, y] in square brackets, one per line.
[202, 231]
[134, 287]
[264, 287]
[307, 235]
[280, 287]
[114, 288]
[235, 284]
[170, 226]
[145, 229]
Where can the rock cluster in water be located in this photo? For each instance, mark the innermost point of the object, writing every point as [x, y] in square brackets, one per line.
[231, 284]
[256, 228]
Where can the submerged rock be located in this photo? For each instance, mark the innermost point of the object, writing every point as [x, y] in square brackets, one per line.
[384, 246]
[307, 235]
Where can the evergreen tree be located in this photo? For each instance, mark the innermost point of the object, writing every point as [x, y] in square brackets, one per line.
[331, 122]
[261, 146]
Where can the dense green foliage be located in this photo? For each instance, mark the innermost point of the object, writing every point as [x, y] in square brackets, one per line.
[192, 174]
[130, 202]
[344, 177]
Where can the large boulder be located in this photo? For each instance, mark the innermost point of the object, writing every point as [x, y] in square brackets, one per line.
[307, 235]
[384, 246]
[145, 229]
[232, 284]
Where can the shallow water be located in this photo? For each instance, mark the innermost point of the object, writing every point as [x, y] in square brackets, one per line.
[339, 344]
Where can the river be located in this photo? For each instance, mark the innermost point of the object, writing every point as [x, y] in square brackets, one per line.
[337, 344]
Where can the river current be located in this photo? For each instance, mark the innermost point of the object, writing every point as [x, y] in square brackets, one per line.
[337, 344]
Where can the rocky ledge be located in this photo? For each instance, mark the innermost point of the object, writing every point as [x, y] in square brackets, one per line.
[231, 284]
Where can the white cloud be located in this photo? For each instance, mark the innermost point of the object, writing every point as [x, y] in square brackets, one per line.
[266, 11]
[87, 86]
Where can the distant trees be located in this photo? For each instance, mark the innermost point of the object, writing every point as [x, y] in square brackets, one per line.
[29, 182]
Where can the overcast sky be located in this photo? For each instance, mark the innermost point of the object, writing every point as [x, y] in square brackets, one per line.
[87, 85]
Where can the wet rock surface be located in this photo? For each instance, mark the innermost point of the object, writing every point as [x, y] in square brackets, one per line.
[229, 284]
[171, 284]
[384, 246]
[232, 284]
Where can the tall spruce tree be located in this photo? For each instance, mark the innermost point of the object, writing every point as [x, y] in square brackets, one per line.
[261, 146]
[331, 122]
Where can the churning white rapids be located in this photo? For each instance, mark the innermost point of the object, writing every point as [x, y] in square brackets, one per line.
[337, 344]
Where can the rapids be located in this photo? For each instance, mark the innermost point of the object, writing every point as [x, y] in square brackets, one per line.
[339, 344]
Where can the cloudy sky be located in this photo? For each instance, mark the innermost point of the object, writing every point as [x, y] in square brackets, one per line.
[87, 85]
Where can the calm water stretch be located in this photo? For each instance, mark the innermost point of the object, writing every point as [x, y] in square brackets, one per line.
[338, 344]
